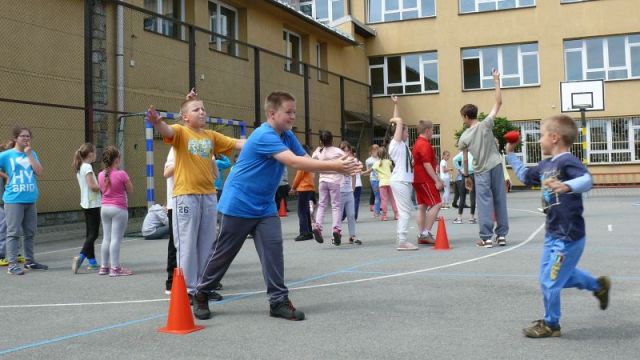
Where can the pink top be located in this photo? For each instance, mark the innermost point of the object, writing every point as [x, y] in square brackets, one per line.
[329, 153]
[116, 194]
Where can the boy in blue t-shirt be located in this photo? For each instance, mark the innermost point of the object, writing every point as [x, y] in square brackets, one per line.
[563, 178]
[247, 205]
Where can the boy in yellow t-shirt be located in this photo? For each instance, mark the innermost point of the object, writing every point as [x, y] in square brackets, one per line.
[194, 200]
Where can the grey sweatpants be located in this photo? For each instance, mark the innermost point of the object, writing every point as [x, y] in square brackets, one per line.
[22, 219]
[267, 237]
[491, 196]
[347, 203]
[194, 230]
[3, 233]
[114, 224]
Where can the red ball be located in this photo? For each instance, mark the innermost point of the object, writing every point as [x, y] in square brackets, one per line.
[512, 136]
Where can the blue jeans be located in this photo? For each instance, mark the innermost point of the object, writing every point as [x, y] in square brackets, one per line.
[558, 271]
[375, 188]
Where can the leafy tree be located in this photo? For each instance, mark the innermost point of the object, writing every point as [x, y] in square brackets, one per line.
[501, 125]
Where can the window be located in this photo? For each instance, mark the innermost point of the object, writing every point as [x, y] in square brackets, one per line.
[517, 64]
[171, 8]
[608, 58]
[324, 11]
[394, 10]
[435, 139]
[293, 52]
[404, 74]
[321, 62]
[223, 20]
[472, 6]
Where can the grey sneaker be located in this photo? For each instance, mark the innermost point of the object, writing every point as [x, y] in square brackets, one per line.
[286, 310]
[485, 243]
[15, 269]
[76, 264]
[603, 293]
[201, 306]
[540, 329]
[32, 265]
[501, 241]
[426, 239]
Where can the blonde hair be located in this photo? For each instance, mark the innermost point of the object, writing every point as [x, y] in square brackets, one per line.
[562, 125]
[423, 125]
[81, 154]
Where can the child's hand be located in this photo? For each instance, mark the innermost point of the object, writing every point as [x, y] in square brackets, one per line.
[394, 98]
[349, 165]
[557, 186]
[154, 117]
[511, 147]
[468, 184]
[28, 150]
[395, 120]
[292, 192]
[193, 93]
[496, 75]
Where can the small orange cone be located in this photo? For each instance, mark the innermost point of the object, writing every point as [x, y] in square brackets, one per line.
[180, 319]
[282, 212]
[442, 240]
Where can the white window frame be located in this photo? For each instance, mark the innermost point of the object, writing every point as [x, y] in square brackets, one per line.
[520, 75]
[404, 82]
[216, 39]
[325, 21]
[288, 62]
[628, 46]
[478, 2]
[401, 10]
[160, 22]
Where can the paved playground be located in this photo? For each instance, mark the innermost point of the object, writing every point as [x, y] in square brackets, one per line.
[361, 302]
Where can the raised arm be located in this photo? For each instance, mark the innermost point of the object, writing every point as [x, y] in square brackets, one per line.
[156, 120]
[498, 94]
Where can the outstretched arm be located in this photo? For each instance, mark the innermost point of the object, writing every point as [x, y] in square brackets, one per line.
[345, 165]
[498, 94]
[156, 120]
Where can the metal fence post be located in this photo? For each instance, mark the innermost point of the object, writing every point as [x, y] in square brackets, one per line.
[307, 113]
[192, 57]
[88, 71]
[256, 87]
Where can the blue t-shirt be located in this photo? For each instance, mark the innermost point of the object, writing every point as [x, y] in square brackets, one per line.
[223, 164]
[564, 211]
[22, 187]
[252, 183]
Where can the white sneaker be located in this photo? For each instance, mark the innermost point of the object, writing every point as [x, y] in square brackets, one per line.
[406, 246]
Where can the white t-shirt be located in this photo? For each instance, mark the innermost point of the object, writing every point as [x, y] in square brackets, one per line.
[88, 198]
[403, 161]
[358, 180]
[171, 159]
[346, 186]
[444, 173]
[369, 162]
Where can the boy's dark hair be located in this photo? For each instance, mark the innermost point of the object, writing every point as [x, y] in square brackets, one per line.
[470, 111]
[564, 126]
[18, 129]
[390, 133]
[423, 125]
[326, 138]
[276, 98]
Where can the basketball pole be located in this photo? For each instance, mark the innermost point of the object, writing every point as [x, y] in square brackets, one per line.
[583, 125]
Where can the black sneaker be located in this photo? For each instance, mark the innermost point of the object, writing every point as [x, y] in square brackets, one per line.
[337, 237]
[603, 293]
[317, 234]
[32, 265]
[201, 306]
[218, 287]
[303, 237]
[286, 310]
[214, 296]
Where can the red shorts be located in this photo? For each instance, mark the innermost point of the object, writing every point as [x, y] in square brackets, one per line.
[427, 194]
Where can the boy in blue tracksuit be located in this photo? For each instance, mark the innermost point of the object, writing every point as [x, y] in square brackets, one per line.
[563, 178]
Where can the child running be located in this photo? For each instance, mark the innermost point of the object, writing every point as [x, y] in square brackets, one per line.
[328, 189]
[247, 205]
[114, 185]
[90, 202]
[563, 179]
[347, 199]
[21, 165]
[384, 167]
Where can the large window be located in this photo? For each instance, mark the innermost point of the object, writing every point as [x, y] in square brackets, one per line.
[224, 21]
[171, 8]
[472, 6]
[324, 11]
[608, 58]
[517, 64]
[394, 10]
[293, 52]
[404, 74]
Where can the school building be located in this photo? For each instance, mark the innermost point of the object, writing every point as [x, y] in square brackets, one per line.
[76, 69]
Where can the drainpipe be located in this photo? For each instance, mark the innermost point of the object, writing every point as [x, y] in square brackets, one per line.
[120, 79]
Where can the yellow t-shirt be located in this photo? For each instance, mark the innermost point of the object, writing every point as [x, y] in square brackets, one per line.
[383, 168]
[193, 152]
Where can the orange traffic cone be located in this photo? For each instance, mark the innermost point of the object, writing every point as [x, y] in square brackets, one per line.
[180, 319]
[282, 212]
[442, 240]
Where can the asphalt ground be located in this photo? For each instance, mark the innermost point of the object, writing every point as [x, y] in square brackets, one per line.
[361, 302]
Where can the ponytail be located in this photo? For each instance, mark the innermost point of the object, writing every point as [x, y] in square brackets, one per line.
[81, 154]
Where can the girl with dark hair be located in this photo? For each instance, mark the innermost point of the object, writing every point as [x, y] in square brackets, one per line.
[90, 202]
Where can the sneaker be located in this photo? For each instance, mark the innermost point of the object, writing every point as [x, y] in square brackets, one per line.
[119, 271]
[603, 293]
[337, 236]
[14, 269]
[249, 236]
[21, 259]
[303, 237]
[103, 270]
[406, 246]
[317, 234]
[4, 262]
[354, 240]
[501, 241]
[396, 217]
[371, 208]
[32, 265]
[167, 292]
[383, 218]
[214, 296]
[93, 266]
[218, 287]
[473, 221]
[458, 221]
[75, 264]
[540, 329]
[286, 310]
[485, 243]
[201, 306]
[426, 239]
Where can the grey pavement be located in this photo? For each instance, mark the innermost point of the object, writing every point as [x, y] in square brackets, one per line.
[362, 302]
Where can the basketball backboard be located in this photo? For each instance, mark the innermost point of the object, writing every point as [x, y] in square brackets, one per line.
[578, 95]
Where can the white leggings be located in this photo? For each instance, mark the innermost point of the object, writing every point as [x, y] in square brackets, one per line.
[447, 189]
[114, 224]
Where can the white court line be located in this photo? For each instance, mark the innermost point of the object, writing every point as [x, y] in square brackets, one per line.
[374, 278]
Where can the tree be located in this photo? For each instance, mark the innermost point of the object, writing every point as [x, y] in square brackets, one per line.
[501, 125]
